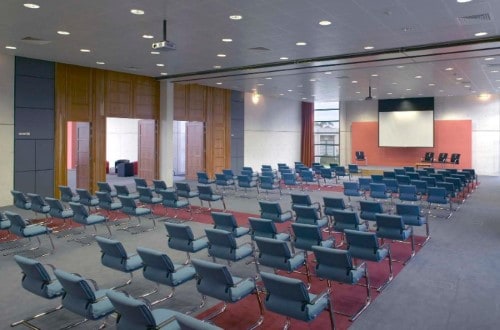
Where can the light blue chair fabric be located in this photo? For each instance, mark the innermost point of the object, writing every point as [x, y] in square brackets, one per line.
[130, 208]
[203, 178]
[38, 205]
[439, 196]
[368, 209]
[408, 193]
[122, 190]
[23, 229]
[226, 221]
[170, 200]
[67, 195]
[206, 194]
[309, 215]
[289, 297]
[272, 211]
[331, 204]
[379, 191]
[20, 200]
[412, 216]
[86, 198]
[105, 187]
[222, 244]
[351, 189]
[268, 184]
[181, 237]
[337, 265]
[307, 176]
[290, 181]
[57, 210]
[82, 216]
[184, 190]
[246, 182]
[107, 203]
[221, 180]
[140, 182]
[159, 185]
[304, 200]
[266, 228]
[392, 227]
[146, 196]
[306, 236]
[345, 219]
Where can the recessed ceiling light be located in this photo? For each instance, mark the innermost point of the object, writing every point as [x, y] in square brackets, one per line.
[466, 86]
[394, 83]
[358, 92]
[489, 59]
[227, 40]
[431, 84]
[459, 78]
[147, 36]
[137, 11]
[31, 5]
[283, 58]
[497, 80]
[235, 17]
[481, 34]
[354, 81]
[374, 88]
[221, 55]
[463, 1]
[389, 93]
[441, 91]
[163, 73]
[449, 69]
[301, 43]
[83, 50]
[494, 71]
[218, 83]
[63, 33]
[418, 77]
[217, 66]
[312, 80]
[160, 64]
[268, 78]
[328, 72]
[281, 94]
[290, 90]
[100, 63]
[408, 89]
[154, 52]
[374, 74]
[325, 23]
[11, 47]
[368, 47]
[400, 66]
[260, 84]
[304, 98]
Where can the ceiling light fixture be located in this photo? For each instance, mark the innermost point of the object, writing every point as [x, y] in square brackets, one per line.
[83, 50]
[374, 74]
[354, 81]
[10, 47]
[481, 34]
[328, 72]
[283, 58]
[494, 71]
[218, 83]
[235, 17]
[217, 66]
[290, 90]
[431, 84]
[31, 5]
[418, 77]
[301, 43]
[325, 23]
[268, 78]
[489, 58]
[100, 63]
[147, 36]
[368, 47]
[408, 89]
[255, 97]
[160, 64]
[137, 11]
[400, 66]
[449, 69]
[484, 96]
[221, 55]
[463, 1]
[163, 73]
[154, 52]
[227, 40]
[63, 33]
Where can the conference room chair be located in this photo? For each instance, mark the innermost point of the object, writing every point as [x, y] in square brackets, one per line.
[227, 222]
[340, 172]
[421, 172]
[455, 159]
[169, 199]
[159, 185]
[87, 199]
[345, 219]
[379, 192]
[309, 215]
[107, 204]
[157, 267]
[289, 297]
[214, 280]
[183, 189]
[82, 217]
[105, 187]
[20, 200]
[408, 193]
[138, 314]
[430, 170]
[389, 174]
[266, 228]
[203, 178]
[306, 236]
[223, 182]
[267, 184]
[409, 169]
[331, 204]
[277, 255]
[307, 177]
[229, 174]
[114, 256]
[390, 226]
[327, 175]
[413, 176]
[439, 196]
[437, 176]
[364, 185]
[452, 193]
[4, 226]
[58, 211]
[473, 175]
[206, 194]
[147, 198]
[130, 208]
[368, 210]
[428, 157]
[421, 186]
[84, 299]
[461, 185]
[246, 182]
[122, 190]
[304, 200]
[337, 265]
[181, 238]
[391, 186]
[399, 171]
[37, 280]
[290, 181]
[67, 194]
[273, 211]
[38, 205]
[351, 189]
[377, 178]
[333, 165]
[442, 157]
[364, 245]
[403, 179]
[140, 182]
[413, 216]
[361, 157]
[222, 244]
[353, 170]
[24, 229]
[248, 170]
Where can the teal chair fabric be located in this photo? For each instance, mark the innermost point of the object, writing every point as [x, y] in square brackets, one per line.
[277, 255]
[307, 236]
[206, 194]
[23, 229]
[226, 221]
[170, 200]
[413, 216]
[368, 209]
[86, 198]
[393, 227]
[67, 195]
[82, 216]
[184, 190]
[159, 185]
[309, 215]
[273, 211]
[122, 190]
[20, 200]
[203, 178]
[105, 187]
[345, 219]
[114, 256]
[222, 244]
[38, 205]
[181, 237]
[266, 228]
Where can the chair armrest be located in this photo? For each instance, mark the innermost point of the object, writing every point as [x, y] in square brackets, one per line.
[385, 246]
[289, 211]
[317, 203]
[166, 322]
[94, 283]
[197, 238]
[243, 280]
[321, 295]
[246, 243]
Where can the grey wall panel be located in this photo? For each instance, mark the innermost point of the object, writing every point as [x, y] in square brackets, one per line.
[237, 130]
[35, 68]
[34, 92]
[34, 123]
[25, 181]
[44, 182]
[44, 155]
[24, 155]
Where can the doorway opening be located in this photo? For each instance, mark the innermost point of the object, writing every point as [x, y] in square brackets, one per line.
[189, 149]
[78, 154]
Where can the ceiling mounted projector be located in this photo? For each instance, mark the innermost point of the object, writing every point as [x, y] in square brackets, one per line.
[164, 44]
[369, 97]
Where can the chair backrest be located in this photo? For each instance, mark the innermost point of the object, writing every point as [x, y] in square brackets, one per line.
[421, 186]
[84, 194]
[155, 262]
[213, 279]
[306, 214]
[17, 223]
[262, 227]
[378, 187]
[104, 198]
[389, 175]
[442, 157]
[399, 171]
[306, 236]
[182, 186]
[56, 207]
[340, 170]
[132, 313]
[377, 178]
[273, 248]
[128, 203]
[35, 276]
[408, 211]
[389, 222]
[80, 213]
[159, 185]
[407, 192]
[360, 155]
[301, 199]
[266, 182]
[220, 238]
[351, 188]
[37, 202]
[20, 199]
[244, 180]
[270, 210]
[353, 168]
[78, 293]
[179, 231]
[66, 193]
[169, 197]
[228, 173]
[220, 178]
[122, 190]
[140, 182]
[333, 264]
[436, 192]
[145, 194]
[455, 158]
[104, 186]
[224, 221]
[409, 169]
[364, 183]
[334, 203]
[344, 219]
[205, 191]
[403, 179]
[369, 208]
[111, 247]
[361, 239]
[202, 177]
[429, 156]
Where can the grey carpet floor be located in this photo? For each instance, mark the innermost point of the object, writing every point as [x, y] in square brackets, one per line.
[452, 283]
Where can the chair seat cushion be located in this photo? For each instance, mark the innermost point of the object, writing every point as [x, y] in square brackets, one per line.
[142, 211]
[282, 237]
[240, 231]
[101, 307]
[368, 253]
[411, 220]
[35, 230]
[95, 218]
[242, 289]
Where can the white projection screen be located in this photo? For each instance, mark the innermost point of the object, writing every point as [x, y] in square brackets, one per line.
[406, 123]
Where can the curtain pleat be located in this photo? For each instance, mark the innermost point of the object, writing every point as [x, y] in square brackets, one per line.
[307, 138]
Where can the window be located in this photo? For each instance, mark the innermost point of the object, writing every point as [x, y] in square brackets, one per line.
[326, 136]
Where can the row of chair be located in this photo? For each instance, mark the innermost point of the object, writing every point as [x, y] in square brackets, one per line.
[442, 158]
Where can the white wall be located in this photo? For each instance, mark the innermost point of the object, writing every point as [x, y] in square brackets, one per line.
[6, 128]
[122, 139]
[485, 116]
[179, 147]
[272, 131]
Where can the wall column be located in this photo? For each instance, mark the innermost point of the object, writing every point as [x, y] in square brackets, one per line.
[166, 149]
[6, 128]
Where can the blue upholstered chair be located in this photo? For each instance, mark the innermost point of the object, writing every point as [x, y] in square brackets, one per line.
[289, 297]
[4, 226]
[412, 216]
[307, 177]
[309, 215]
[327, 174]
[266, 228]
[377, 178]
[21, 200]
[129, 207]
[365, 246]
[140, 182]
[170, 200]
[181, 238]
[408, 193]
[389, 174]
[392, 186]
[368, 209]
[268, 184]
[203, 178]
[229, 174]
[37, 280]
[82, 298]
[340, 171]
[222, 181]
[58, 211]
[403, 179]
[222, 244]
[38, 205]
[216, 281]
[345, 219]
[246, 182]
[337, 265]
[379, 191]
[136, 314]
[351, 189]
[409, 169]
[331, 204]
[23, 229]
[147, 199]
[122, 190]
[87, 199]
[277, 255]
[105, 187]
[392, 227]
[439, 196]
[421, 186]
[290, 181]
[159, 185]
[82, 217]
[226, 221]
[159, 268]
[107, 203]
[307, 236]
[206, 194]
[304, 200]
[67, 195]
[114, 256]
[364, 185]
[273, 211]
[353, 169]
[184, 190]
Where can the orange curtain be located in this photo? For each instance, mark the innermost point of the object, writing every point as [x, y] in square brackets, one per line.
[307, 139]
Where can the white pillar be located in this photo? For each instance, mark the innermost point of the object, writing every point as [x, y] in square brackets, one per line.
[166, 125]
[6, 128]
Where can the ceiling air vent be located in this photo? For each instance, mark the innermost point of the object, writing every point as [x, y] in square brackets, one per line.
[260, 49]
[474, 19]
[35, 41]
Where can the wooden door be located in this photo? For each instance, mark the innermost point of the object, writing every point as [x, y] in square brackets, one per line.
[83, 155]
[195, 149]
[147, 150]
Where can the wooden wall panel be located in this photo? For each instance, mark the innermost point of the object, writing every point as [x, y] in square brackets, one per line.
[196, 103]
[119, 95]
[146, 98]
[79, 94]
[180, 105]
